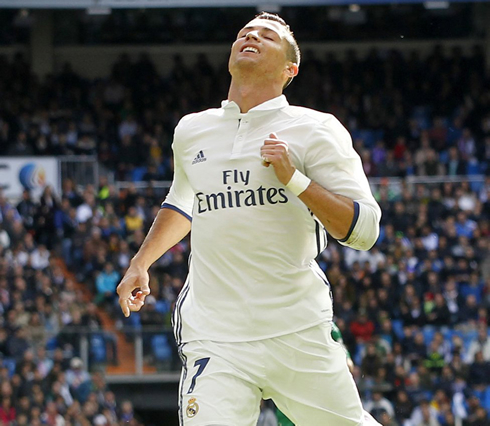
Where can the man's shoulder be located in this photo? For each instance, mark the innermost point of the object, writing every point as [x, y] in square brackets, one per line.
[322, 122]
[311, 114]
[200, 116]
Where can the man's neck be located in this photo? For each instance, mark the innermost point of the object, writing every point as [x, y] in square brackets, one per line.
[249, 95]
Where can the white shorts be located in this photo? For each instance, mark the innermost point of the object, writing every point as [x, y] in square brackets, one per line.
[304, 373]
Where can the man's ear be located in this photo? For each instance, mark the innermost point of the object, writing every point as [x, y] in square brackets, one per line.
[292, 69]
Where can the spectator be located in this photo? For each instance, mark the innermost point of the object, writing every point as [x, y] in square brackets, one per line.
[379, 405]
[69, 336]
[127, 412]
[92, 321]
[434, 360]
[362, 328]
[27, 209]
[439, 315]
[387, 420]
[40, 257]
[76, 376]
[133, 221]
[7, 411]
[51, 416]
[424, 415]
[480, 344]
[21, 147]
[479, 419]
[403, 406]
[85, 210]
[371, 362]
[18, 344]
[106, 283]
[479, 372]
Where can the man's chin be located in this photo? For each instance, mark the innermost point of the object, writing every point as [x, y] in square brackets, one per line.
[243, 64]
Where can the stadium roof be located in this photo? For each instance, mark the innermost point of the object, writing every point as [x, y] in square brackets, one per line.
[262, 4]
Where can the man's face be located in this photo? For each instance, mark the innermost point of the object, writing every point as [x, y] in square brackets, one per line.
[261, 47]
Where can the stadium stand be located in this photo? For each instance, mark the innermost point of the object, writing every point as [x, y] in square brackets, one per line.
[413, 311]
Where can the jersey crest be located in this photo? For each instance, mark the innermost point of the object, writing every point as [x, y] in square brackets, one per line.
[192, 408]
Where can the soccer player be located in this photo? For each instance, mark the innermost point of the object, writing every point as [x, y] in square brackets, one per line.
[262, 182]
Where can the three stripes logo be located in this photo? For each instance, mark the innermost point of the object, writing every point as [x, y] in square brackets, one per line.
[200, 158]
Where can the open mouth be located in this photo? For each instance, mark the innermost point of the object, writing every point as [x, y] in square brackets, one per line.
[250, 49]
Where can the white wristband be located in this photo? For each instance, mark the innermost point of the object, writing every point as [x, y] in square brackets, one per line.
[298, 182]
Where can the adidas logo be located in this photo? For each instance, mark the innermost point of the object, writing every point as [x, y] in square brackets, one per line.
[200, 158]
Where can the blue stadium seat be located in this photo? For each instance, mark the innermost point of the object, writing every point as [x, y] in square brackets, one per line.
[473, 168]
[468, 337]
[138, 173]
[449, 333]
[52, 344]
[359, 353]
[486, 399]
[10, 364]
[428, 332]
[161, 348]
[134, 321]
[422, 115]
[480, 394]
[162, 306]
[378, 135]
[397, 325]
[367, 136]
[443, 157]
[98, 352]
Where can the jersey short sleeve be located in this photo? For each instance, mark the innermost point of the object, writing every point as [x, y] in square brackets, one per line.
[332, 162]
[181, 195]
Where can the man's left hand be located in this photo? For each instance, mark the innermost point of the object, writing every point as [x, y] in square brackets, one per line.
[275, 152]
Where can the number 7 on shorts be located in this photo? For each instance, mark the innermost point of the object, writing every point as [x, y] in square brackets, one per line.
[202, 365]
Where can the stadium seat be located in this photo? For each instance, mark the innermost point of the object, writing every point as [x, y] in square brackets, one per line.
[480, 394]
[161, 348]
[162, 306]
[10, 364]
[486, 400]
[449, 333]
[361, 347]
[52, 344]
[428, 332]
[98, 352]
[422, 115]
[468, 337]
[367, 136]
[397, 326]
[133, 321]
[138, 173]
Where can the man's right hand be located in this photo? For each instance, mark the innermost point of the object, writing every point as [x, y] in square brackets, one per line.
[135, 278]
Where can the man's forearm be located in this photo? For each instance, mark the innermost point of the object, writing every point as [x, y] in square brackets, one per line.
[336, 212]
[353, 223]
[168, 228]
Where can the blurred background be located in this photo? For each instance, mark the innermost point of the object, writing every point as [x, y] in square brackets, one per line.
[90, 93]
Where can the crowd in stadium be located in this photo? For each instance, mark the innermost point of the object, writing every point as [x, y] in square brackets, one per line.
[408, 115]
[414, 311]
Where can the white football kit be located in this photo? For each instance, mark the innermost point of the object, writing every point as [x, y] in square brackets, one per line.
[252, 274]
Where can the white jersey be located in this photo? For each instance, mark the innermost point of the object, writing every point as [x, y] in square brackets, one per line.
[252, 273]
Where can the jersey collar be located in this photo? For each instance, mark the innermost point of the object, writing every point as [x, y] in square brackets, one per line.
[232, 108]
